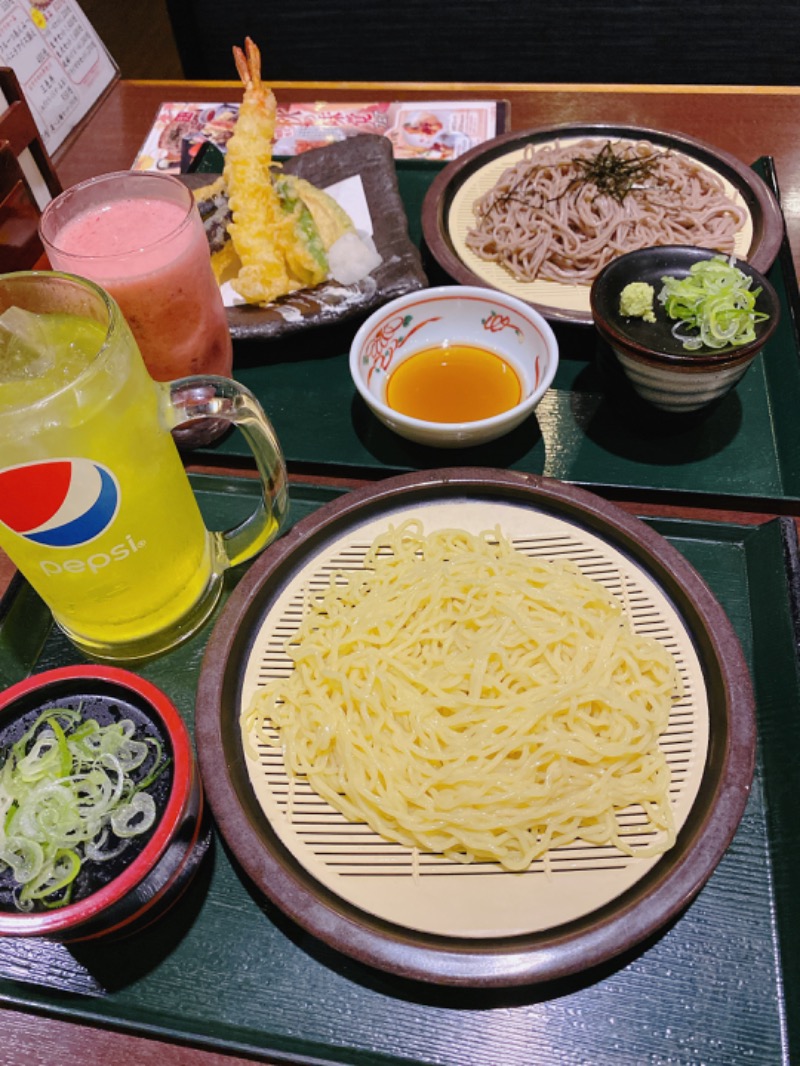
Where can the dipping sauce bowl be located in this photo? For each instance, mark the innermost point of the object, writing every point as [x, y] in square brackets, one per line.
[490, 360]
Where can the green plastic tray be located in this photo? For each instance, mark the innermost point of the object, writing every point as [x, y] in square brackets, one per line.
[747, 448]
[720, 986]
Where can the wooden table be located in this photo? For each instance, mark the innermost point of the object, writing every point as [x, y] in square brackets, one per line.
[748, 123]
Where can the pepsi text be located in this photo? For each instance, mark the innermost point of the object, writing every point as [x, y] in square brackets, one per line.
[95, 562]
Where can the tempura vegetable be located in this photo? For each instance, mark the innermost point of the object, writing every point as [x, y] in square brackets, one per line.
[270, 232]
[272, 229]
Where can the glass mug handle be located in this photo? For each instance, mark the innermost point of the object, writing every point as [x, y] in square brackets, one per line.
[207, 396]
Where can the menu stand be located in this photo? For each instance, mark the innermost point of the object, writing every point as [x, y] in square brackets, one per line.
[28, 179]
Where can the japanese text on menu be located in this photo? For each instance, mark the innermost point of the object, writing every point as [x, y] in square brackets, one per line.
[62, 66]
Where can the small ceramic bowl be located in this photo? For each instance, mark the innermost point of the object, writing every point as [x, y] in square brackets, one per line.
[654, 361]
[445, 316]
[120, 895]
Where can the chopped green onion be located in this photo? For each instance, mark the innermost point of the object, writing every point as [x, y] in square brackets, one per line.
[159, 764]
[54, 877]
[67, 795]
[25, 857]
[714, 306]
[135, 817]
[104, 847]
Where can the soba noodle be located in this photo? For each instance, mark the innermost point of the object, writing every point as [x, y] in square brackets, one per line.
[546, 218]
[461, 697]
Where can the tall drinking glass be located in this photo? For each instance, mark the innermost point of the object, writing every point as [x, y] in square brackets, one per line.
[95, 506]
[139, 235]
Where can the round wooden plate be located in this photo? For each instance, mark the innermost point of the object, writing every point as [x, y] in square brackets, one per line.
[422, 916]
[447, 210]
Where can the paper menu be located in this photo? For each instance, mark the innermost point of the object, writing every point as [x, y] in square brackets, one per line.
[62, 65]
[427, 129]
[179, 129]
[435, 130]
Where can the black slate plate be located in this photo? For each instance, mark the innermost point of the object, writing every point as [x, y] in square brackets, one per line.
[370, 157]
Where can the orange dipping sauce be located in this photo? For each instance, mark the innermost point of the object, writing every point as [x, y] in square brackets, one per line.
[459, 383]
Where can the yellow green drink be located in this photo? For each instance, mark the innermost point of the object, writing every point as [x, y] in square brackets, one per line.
[95, 505]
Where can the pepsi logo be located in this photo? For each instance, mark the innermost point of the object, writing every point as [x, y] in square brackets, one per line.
[61, 503]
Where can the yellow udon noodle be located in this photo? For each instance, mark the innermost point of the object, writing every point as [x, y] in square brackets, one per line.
[542, 221]
[460, 697]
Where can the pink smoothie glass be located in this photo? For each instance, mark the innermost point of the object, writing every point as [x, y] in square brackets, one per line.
[139, 235]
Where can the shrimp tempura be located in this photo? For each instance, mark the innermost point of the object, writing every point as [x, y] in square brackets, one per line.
[260, 229]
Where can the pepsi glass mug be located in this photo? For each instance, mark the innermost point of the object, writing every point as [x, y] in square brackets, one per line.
[96, 509]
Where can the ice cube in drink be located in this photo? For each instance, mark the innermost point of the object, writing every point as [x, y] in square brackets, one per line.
[42, 353]
[24, 348]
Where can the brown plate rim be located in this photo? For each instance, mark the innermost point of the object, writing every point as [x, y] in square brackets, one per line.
[577, 946]
[768, 223]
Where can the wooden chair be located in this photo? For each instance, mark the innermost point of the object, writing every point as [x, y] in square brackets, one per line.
[27, 179]
[727, 42]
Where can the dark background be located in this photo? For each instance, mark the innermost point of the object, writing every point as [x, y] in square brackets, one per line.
[671, 42]
[138, 35]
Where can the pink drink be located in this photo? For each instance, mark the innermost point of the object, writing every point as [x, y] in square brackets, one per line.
[139, 236]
